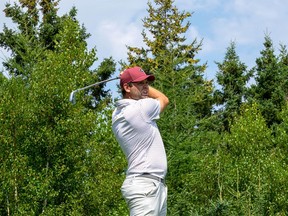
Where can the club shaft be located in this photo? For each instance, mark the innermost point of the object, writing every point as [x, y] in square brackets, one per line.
[95, 84]
[72, 98]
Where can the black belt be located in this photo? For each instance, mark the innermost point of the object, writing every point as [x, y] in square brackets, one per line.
[147, 175]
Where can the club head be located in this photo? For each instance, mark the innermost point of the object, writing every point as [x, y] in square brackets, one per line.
[72, 97]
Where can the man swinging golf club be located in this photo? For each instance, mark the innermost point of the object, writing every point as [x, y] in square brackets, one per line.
[134, 126]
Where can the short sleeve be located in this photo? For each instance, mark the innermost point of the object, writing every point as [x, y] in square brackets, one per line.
[150, 108]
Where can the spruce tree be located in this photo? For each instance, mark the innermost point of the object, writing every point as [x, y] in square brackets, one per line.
[269, 91]
[179, 75]
[172, 59]
[232, 77]
[283, 64]
[31, 33]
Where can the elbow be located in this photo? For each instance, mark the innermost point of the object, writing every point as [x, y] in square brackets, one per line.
[165, 103]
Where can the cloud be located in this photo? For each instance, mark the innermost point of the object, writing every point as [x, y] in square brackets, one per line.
[113, 24]
[206, 5]
[243, 21]
[246, 23]
[266, 9]
[114, 37]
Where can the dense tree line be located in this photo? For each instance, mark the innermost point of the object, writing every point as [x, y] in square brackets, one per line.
[226, 139]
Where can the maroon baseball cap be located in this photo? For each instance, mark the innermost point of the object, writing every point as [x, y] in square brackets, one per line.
[134, 74]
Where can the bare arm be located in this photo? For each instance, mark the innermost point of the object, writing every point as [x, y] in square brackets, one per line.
[156, 94]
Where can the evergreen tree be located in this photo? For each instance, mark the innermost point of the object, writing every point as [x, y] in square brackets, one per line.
[172, 60]
[251, 172]
[38, 25]
[32, 33]
[180, 76]
[232, 78]
[283, 64]
[270, 88]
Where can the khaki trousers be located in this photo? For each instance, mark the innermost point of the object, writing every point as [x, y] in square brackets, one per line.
[145, 196]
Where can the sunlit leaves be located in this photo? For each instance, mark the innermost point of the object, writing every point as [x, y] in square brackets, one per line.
[47, 166]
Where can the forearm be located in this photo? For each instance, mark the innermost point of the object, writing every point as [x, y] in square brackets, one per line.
[156, 94]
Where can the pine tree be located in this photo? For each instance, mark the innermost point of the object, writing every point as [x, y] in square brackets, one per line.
[232, 78]
[172, 60]
[179, 75]
[32, 33]
[283, 64]
[269, 90]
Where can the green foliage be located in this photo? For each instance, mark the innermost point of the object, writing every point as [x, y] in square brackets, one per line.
[192, 177]
[59, 159]
[270, 90]
[179, 76]
[49, 148]
[165, 24]
[106, 170]
[32, 33]
[237, 173]
[232, 78]
[173, 62]
[249, 175]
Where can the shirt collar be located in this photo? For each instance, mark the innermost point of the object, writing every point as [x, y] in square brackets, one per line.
[125, 102]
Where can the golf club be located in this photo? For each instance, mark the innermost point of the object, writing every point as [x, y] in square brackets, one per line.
[72, 97]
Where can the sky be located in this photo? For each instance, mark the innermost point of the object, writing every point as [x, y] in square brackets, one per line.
[114, 24]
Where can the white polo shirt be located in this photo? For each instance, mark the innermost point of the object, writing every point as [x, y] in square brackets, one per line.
[134, 126]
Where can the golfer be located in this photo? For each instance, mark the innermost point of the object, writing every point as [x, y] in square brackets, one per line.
[134, 126]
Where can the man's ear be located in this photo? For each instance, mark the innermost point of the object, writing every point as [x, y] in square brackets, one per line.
[126, 87]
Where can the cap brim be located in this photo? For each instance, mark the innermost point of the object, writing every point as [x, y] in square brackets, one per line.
[148, 77]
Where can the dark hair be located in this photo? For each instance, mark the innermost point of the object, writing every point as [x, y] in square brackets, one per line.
[123, 91]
